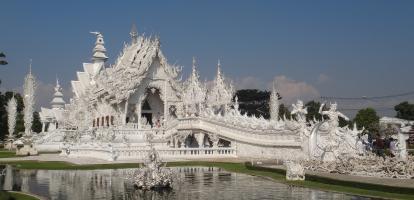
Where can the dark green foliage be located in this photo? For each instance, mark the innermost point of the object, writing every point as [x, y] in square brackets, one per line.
[343, 122]
[369, 119]
[313, 111]
[3, 59]
[4, 98]
[284, 112]
[405, 110]
[253, 95]
[37, 125]
[254, 102]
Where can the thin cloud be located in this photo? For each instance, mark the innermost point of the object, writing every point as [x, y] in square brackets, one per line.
[291, 90]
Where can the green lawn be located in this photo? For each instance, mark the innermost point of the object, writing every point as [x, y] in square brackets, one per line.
[15, 196]
[315, 182]
[7, 154]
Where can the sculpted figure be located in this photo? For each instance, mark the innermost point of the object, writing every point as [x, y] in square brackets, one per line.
[332, 114]
[300, 111]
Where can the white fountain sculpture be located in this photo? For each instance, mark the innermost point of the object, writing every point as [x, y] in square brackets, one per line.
[153, 175]
[11, 117]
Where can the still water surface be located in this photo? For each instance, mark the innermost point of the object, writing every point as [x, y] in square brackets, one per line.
[190, 183]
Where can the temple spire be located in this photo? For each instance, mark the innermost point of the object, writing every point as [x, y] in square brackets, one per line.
[99, 50]
[194, 65]
[30, 66]
[134, 34]
[57, 101]
[218, 67]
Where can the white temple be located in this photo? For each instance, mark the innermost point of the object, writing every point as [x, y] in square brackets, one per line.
[118, 109]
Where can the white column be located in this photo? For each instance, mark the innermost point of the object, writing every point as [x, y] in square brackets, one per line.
[138, 112]
[200, 139]
[43, 126]
[165, 103]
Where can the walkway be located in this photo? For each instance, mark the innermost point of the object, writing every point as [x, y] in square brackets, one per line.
[407, 183]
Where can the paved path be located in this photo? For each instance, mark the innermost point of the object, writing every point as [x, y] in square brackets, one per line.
[407, 183]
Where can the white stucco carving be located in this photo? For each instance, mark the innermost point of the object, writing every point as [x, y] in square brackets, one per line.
[116, 107]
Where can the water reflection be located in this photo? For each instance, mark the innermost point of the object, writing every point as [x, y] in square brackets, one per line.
[189, 183]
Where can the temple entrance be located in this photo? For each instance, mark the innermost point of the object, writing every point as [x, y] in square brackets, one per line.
[153, 108]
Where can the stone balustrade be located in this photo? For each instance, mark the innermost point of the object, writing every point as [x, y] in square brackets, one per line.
[140, 152]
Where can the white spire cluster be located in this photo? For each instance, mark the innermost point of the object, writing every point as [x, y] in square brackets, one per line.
[274, 105]
[11, 114]
[29, 88]
[221, 94]
[194, 94]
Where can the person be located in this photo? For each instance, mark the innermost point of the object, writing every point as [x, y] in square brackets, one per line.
[379, 146]
[393, 147]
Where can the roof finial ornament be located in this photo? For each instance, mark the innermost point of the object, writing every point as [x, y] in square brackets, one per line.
[57, 81]
[57, 101]
[194, 63]
[134, 34]
[99, 50]
[218, 67]
[30, 66]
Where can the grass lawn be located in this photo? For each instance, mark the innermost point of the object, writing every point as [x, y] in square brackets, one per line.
[15, 196]
[314, 182]
[7, 154]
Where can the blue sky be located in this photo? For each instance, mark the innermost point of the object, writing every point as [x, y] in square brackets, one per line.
[328, 48]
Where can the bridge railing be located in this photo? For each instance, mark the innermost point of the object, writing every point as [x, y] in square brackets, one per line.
[140, 153]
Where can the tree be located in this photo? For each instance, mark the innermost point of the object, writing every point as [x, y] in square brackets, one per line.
[284, 112]
[4, 98]
[405, 110]
[254, 102]
[313, 111]
[343, 122]
[369, 119]
[37, 125]
[3, 59]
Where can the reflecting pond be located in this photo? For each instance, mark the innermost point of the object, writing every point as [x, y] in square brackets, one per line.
[189, 183]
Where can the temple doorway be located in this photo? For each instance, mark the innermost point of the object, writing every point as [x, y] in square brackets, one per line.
[153, 108]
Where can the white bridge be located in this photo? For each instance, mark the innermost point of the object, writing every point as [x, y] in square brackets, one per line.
[187, 138]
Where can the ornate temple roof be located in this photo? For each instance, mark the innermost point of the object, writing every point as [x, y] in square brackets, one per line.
[194, 91]
[117, 82]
